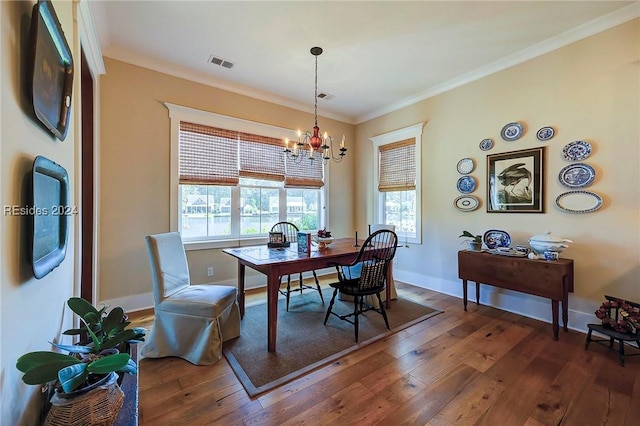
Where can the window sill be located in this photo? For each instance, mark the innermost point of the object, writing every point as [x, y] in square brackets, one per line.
[220, 244]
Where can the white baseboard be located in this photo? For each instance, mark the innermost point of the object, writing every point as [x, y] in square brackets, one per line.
[143, 301]
[512, 301]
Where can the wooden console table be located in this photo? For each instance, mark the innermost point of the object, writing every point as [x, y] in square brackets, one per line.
[552, 280]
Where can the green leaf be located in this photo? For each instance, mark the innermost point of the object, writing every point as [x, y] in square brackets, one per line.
[36, 359]
[113, 319]
[75, 349]
[83, 308]
[108, 364]
[73, 376]
[74, 331]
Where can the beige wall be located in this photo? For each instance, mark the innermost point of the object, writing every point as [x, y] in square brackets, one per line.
[32, 312]
[588, 90]
[134, 172]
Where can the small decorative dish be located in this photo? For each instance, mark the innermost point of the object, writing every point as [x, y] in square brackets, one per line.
[579, 201]
[576, 151]
[323, 242]
[577, 175]
[545, 133]
[508, 252]
[486, 144]
[466, 166]
[466, 203]
[466, 184]
[511, 131]
[495, 238]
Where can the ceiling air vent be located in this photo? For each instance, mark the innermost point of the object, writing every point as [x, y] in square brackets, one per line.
[219, 61]
[325, 96]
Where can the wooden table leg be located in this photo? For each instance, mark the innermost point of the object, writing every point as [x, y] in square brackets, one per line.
[464, 294]
[565, 305]
[477, 293]
[389, 284]
[241, 288]
[273, 283]
[554, 314]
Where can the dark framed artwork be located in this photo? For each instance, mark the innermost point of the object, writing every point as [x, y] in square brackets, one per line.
[50, 70]
[515, 181]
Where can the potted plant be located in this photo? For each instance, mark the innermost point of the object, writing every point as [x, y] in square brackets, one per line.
[89, 363]
[475, 242]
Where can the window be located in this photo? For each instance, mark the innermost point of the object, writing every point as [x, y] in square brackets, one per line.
[231, 180]
[397, 174]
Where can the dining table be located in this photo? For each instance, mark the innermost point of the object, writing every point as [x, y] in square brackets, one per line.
[278, 262]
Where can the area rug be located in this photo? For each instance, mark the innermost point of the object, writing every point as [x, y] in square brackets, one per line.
[304, 343]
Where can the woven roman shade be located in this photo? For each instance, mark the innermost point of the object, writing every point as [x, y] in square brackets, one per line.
[398, 166]
[306, 173]
[261, 157]
[207, 155]
[213, 156]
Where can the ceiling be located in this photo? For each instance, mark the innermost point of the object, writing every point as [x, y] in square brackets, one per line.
[378, 56]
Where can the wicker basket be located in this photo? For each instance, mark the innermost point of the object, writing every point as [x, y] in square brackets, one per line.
[98, 407]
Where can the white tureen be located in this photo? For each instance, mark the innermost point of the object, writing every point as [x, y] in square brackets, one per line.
[548, 242]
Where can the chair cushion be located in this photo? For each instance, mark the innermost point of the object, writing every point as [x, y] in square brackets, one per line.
[202, 300]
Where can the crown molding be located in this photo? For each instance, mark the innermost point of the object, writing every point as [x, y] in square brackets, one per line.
[588, 29]
[208, 80]
[89, 39]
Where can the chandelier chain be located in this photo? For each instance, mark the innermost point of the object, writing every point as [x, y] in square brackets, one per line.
[315, 114]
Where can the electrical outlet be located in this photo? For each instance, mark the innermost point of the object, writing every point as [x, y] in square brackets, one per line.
[210, 271]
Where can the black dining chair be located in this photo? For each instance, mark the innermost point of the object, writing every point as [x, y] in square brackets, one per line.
[290, 232]
[374, 259]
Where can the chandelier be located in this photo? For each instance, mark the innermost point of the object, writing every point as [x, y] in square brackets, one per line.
[311, 141]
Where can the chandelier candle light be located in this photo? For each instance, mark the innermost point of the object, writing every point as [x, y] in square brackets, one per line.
[311, 140]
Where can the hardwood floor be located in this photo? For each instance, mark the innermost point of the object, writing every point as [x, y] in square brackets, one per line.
[481, 367]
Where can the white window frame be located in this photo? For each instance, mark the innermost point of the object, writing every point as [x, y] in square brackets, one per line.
[178, 113]
[414, 131]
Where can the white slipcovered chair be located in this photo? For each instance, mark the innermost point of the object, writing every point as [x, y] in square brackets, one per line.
[191, 321]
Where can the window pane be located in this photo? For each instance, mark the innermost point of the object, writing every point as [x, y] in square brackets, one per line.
[259, 209]
[206, 211]
[400, 210]
[303, 206]
[220, 215]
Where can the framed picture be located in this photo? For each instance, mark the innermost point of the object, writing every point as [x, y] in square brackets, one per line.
[276, 237]
[515, 181]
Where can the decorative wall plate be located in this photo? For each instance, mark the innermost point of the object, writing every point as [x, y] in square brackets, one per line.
[576, 151]
[495, 238]
[577, 175]
[511, 131]
[466, 184]
[466, 203]
[466, 166]
[579, 201]
[545, 133]
[486, 144]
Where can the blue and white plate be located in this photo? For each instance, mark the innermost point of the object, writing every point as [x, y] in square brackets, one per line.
[576, 151]
[486, 144]
[511, 131]
[466, 184]
[579, 202]
[577, 175]
[495, 238]
[545, 133]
